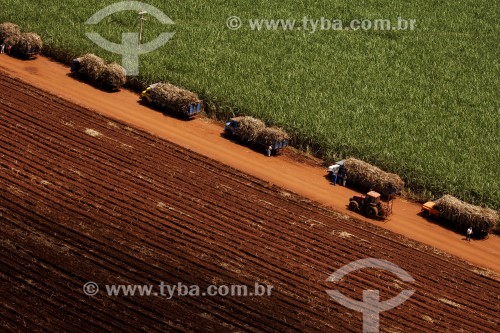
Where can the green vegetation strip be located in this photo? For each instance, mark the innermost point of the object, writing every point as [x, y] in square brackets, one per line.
[423, 104]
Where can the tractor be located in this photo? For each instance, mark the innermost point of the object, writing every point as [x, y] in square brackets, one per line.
[370, 205]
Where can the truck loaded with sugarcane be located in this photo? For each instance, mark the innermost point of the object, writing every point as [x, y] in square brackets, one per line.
[368, 177]
[253, 132]
[460, 215]
[25, 45]
[171, 99]
[94, 70]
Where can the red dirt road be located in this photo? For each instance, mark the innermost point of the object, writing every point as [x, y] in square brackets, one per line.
[203, 136]
[84, 198]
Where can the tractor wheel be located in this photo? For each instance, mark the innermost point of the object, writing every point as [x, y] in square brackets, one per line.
[372, 212]
[353, 205]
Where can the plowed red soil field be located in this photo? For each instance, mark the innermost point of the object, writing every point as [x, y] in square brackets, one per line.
[86, 198]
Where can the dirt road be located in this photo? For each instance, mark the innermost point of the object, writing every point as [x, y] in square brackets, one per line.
[203, 136]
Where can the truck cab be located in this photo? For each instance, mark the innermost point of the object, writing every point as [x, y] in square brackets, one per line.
[429, 210]
[146, 94]
[231, 127]
[75, 65]
[338, 169]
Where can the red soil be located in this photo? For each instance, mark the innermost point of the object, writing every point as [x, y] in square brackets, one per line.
[121, 206]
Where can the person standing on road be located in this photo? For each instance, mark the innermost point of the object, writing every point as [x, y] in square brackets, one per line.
[342, 175]
[269, 150]
[2, 48]
[469, 233]
[334, 176]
